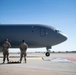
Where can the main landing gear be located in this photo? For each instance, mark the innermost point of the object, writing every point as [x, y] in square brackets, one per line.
[48, 51]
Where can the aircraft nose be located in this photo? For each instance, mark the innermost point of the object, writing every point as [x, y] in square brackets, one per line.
[63, 37]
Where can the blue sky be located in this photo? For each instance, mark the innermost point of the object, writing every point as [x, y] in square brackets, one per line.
[57, 13]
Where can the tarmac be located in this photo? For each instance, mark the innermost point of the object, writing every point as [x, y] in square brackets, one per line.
[39, 64]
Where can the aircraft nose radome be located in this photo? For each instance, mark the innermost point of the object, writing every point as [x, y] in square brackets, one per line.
[64, 37]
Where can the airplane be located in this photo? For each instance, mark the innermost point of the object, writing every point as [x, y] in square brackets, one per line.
[35, 35]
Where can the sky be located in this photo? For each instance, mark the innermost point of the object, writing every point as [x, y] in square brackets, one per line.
[57, 13]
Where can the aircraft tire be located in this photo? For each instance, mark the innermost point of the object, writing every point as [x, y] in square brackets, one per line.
[47, 54]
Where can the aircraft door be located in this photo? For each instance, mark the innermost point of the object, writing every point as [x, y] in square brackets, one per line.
[42, 32]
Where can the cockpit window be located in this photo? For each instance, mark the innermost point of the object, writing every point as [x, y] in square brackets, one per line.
[57, 31]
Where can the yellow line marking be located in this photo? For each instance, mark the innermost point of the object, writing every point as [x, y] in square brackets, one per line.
[34, 58]
[15, 59]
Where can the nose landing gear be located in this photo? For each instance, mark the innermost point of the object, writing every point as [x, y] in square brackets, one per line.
[48, 51]
[47, 54]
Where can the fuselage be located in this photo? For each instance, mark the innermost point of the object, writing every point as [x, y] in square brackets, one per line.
[35, 35]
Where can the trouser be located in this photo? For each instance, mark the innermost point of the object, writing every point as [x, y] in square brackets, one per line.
[5, 54]
[21, 56]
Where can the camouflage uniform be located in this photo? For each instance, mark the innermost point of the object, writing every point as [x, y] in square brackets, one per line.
[23, 48]
[6, 46]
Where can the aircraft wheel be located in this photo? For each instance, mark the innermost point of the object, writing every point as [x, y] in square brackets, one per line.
[47, 54]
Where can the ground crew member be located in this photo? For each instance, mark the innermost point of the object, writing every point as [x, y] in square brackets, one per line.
[23, 48]
[5, 47]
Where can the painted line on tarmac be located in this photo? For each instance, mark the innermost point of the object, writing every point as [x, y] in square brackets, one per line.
[71, 59]
[23, 58]
[34, 58]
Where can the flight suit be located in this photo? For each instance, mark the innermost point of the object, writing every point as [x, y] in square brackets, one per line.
[6, 46]
[23, 48]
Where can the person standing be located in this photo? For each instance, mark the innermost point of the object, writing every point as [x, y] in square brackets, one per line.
[6, 45]
[23, 49]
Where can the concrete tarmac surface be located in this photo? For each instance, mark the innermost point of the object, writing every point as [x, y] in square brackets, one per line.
[39, 64]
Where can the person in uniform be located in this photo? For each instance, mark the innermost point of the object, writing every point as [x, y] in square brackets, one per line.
[23, 48]
[6, 47]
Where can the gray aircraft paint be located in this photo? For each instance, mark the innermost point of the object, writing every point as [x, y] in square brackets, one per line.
[35, 35]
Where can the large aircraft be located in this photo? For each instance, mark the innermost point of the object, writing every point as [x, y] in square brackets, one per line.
[35, 35]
